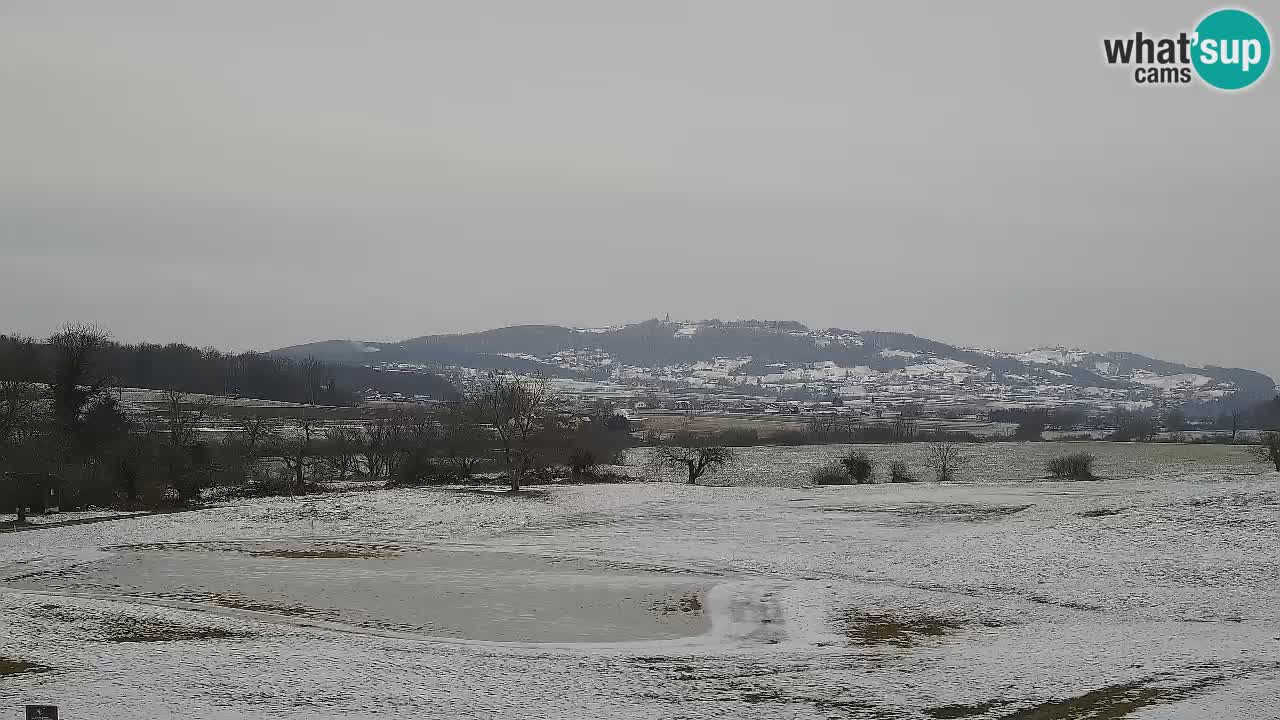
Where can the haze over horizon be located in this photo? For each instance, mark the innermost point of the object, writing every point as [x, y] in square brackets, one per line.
[252, 176]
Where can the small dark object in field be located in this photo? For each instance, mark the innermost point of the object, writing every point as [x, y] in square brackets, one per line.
[1076, 466]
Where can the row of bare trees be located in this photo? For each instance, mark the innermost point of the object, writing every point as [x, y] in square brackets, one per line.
[515, 426]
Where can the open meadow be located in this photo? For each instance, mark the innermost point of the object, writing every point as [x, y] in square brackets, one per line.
[1149, 594]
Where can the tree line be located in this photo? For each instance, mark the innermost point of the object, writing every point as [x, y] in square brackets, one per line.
[63, 423]
[172, 366]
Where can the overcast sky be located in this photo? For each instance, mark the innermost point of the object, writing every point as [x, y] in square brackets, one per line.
[253, 174]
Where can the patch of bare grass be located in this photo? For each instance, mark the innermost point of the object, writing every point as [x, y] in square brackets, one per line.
[685, 604]
[136, 630]
[871, 629]
[10, 666]
[937, 512]
[1113, 701]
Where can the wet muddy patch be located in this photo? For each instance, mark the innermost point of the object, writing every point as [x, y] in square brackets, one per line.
[116, 627]
[135, 630]
[786, 686]
[914, 513]
[686, 603]
[1116, 701]
[13, 666]
[872, 629]
[954, 712]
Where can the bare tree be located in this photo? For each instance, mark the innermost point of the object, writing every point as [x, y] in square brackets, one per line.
[685, 451]
[340, 450]
[251, 433]
[184, 454]
[312, 379]
[296, 450]
[463, 440]
[376, 443]
[518, 410]
[182, 417]
[77, 381]
[945, 459]
[1269, 448]
[904, 429]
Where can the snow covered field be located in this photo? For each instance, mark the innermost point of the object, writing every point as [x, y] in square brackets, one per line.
[1148, 596]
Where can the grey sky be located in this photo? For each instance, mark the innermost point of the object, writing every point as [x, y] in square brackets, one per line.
[255, 174]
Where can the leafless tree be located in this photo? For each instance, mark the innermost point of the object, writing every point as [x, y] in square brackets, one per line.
[904, 429]
[945, 459]
[463, 439]
[692, 457]
[251, 433]
[182, 417]
[340, 450]
[77, 381]
[312, 378]
[183, 455]
[376, 444]
[519, 411]
[1269, 448]
[296, 450]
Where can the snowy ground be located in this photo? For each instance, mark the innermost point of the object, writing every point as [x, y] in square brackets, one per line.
[1145, 597]
[53, 518]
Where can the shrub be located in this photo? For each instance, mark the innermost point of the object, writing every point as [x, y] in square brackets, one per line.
[900, 473]
[582, 462]
[1269, 448]
[859, 466]
[832, 473]
[1076, 466]
[419, 469]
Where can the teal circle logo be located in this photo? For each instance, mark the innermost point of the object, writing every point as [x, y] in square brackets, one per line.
[1232, 49]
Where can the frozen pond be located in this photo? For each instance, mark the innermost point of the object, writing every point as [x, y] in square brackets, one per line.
[459, 593]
